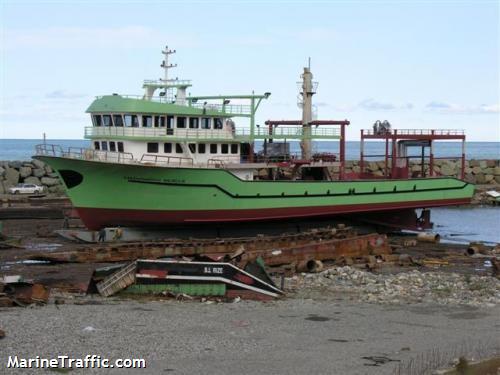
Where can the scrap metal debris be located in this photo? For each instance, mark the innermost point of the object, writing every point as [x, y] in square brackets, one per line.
[186, 278]
[117, 281]
[22, 293]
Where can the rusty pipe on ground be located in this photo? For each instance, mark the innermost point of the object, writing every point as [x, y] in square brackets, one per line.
[477, 249]
[428, 237]
[310, 266]
[472, 250]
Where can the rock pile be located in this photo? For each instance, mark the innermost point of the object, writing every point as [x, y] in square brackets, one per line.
[30, 172]
[407, 287]
[476, 171]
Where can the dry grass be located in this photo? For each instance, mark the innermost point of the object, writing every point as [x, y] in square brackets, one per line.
[428, 362]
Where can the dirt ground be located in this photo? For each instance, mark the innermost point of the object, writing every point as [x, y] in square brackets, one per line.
[291, 336]
[318, 333]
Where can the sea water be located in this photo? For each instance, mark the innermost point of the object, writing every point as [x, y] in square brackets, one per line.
[467, 224]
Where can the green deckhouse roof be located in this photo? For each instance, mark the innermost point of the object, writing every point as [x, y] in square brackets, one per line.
[119, 104]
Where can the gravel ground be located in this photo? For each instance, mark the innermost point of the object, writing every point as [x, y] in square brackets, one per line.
[291, 336]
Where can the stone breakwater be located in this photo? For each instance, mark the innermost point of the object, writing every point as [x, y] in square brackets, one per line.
[407, 287]
[30, 172]
[476, 171]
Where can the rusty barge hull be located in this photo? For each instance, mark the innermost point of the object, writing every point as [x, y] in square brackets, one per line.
[275, 250]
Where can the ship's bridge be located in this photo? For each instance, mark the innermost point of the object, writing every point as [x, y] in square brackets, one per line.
[168, 123]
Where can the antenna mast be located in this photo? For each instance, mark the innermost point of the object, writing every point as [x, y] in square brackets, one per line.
[165, 65]
[168, 85]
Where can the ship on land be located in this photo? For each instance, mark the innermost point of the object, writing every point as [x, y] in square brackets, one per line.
[177, 158]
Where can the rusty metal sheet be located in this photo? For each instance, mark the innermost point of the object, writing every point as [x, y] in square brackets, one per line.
[371, 244]
[27, 293]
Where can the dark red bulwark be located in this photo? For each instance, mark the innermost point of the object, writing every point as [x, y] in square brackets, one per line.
[96, 218]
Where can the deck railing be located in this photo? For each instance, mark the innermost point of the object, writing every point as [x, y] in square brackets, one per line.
[85, 154]
[141, 132]
[216, 163]
[291, 132]
[232, 109]
[170, 82]
[168, 98]
[166, 160]
[415, 132]
[226, 133]
[117, 157]
[173, 161]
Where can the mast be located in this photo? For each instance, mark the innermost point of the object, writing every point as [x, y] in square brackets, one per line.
[308, 90]
[167, 84]
[165, 65]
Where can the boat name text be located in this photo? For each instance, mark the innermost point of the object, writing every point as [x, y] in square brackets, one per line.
[155, 180]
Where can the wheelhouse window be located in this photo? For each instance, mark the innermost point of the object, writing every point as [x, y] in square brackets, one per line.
[202, 148]
[131, 121]
[192, 148]
[97, 145]
[120, 146]
[193, 123]
[181, 122]
[213, 148]
[167, 148]
[97, 120]
[217, 123]
[152, 147]
[206, 122]
[170, 122]
[118, 120]
[147, 121]
[106, 120]
[234, 148]
[178, 148]
[112, 146]
[224, 148]
[128, 120]
[159, 121]
[104, 146]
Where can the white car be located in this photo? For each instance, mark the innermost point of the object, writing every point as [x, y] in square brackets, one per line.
[26, 189]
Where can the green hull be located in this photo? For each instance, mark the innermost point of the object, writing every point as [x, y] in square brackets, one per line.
[108, 194]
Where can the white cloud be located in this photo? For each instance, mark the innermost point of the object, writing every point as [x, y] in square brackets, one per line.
[81, 37]
[445, 107]
[63, 94]
[58, 107]
[371, 104]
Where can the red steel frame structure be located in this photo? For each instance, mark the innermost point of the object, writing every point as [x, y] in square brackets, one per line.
[395, 135]
[342, 123]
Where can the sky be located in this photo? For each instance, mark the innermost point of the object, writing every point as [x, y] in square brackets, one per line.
[417, 64]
